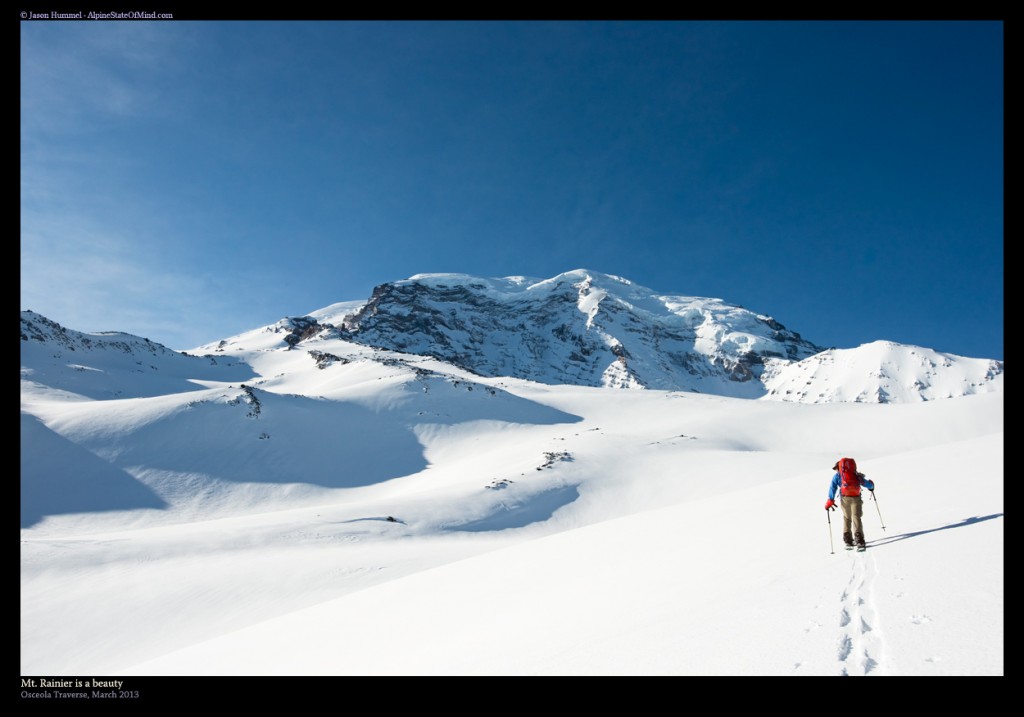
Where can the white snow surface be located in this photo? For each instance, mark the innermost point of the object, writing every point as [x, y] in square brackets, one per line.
[881, 372]
[235, 521]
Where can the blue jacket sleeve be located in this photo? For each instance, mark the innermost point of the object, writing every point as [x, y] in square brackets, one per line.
[869, 484]
[833, 487]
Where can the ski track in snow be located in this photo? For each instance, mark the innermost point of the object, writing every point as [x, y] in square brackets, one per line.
[861, 647]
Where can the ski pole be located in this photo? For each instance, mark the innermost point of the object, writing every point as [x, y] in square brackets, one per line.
[830, 546]
[877, 508]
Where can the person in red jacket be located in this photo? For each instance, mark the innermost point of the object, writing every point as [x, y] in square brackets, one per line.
[848, 481]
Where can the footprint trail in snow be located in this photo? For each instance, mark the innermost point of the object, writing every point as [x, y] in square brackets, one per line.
[860, 646]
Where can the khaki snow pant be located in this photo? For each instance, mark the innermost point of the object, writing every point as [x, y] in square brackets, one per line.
[853, 510]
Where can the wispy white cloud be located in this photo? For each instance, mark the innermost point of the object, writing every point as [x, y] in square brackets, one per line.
[94, 279]
[94, 253]
[76, 76]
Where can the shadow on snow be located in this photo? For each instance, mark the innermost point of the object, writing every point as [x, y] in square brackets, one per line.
[259, 437]
[534, 509]
[376, 518]
[58, 476]
[966, 521]
[105, 375]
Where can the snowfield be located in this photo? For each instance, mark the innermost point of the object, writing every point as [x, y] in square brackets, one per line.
[335, 509]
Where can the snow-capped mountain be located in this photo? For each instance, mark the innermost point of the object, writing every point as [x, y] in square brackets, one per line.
[112, 364]
[592, 329]
[582, 327]
[881, 372]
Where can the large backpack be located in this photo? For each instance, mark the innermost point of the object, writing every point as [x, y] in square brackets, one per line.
[849, 483]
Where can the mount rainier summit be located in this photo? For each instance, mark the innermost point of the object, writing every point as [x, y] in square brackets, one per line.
[578, 328]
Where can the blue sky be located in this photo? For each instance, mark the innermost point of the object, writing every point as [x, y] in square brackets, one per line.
[186, 181]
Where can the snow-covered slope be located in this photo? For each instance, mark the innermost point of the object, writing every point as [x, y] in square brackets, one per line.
[634, 539]
[694, 587]
[112, 364]
[231, 512]
[881, 372]
[305, 421]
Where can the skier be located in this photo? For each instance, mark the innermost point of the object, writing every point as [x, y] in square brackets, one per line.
[849, 482]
